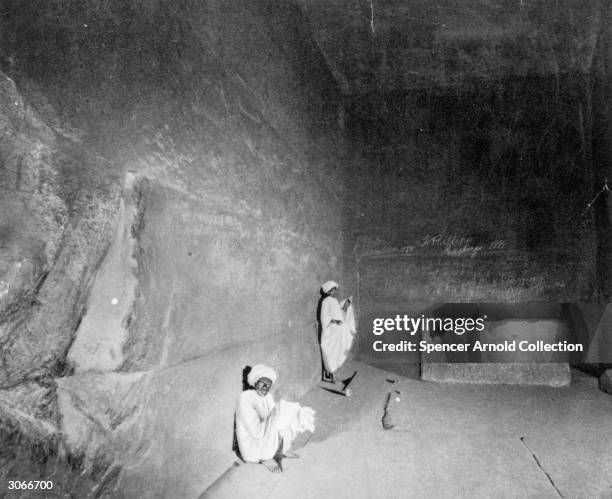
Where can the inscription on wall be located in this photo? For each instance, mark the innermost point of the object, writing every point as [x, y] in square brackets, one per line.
[454, 269]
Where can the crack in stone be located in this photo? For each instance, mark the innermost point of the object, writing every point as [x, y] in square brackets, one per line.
[522, 439]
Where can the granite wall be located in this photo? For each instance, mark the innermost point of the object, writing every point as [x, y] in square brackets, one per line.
[176, 233]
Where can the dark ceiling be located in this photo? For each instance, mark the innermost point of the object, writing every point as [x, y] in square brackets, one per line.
[391, 45]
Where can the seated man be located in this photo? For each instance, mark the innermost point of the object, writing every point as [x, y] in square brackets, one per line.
[265, 430]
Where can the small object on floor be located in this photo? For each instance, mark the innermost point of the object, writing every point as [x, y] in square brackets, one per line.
[348, 380]
[387, 421]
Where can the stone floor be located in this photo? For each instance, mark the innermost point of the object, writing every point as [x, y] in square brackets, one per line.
[450, 440]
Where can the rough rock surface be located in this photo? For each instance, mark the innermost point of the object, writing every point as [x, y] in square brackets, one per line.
[56, 223]
[195, 247]
[605, 381]
[102, 333]
[399, 45]
[99, 413]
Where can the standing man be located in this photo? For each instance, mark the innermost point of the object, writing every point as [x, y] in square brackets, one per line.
[337, 322]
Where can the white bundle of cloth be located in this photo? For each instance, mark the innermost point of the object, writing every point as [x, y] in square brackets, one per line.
[296, 417]
[336, 339]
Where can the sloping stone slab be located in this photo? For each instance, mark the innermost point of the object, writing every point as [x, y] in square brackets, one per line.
[554, 374]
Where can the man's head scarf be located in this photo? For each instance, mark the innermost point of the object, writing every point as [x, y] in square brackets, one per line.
[328, 286]
[259, 371]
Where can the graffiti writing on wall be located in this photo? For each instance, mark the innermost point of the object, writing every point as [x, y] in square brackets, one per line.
[444, 244]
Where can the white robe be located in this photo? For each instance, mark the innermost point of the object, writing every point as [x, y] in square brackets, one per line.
[336, 339]
[259, 427]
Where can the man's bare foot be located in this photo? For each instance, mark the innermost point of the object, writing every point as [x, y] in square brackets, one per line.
[291, 455]
[272, 465]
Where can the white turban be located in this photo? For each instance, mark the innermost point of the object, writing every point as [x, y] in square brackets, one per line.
[328, 286]
[259, 371]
